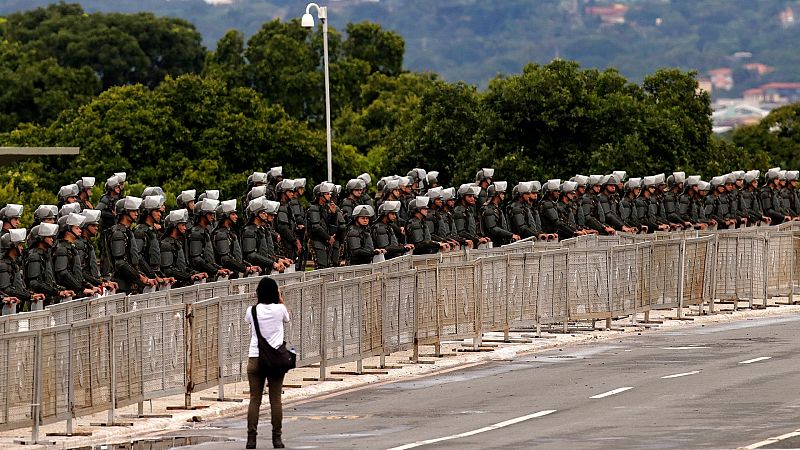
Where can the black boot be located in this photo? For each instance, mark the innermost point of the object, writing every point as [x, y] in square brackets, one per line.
[276, 441]
[251, 440]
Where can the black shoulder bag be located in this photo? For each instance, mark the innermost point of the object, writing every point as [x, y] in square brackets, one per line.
[272, 362]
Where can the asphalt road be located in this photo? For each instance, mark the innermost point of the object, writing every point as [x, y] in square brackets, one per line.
[718, 386]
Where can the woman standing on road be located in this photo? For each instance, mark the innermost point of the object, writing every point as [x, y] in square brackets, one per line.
[271, 314]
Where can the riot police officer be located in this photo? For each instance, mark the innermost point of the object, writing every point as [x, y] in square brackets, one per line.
[464, 215]
[124, 254]
[493, 220]
[483, 178]
[200, 250]
[416, 231]
[360, 249]
[383, 236]
[85, 186]
[354, 190]
[284, 225]
[39, 275]
[173, 257]
[107, 203]
[227, 250]
[319, 216]
[10, 215]
[67, 259]
[147, 241]
[257, 246]
[12, 282]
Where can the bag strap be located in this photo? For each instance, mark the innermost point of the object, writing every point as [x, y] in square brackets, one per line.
[255, 322]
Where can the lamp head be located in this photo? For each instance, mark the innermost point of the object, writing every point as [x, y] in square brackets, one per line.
[307, 21]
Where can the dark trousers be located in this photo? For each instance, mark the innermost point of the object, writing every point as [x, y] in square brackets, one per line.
[256, 392]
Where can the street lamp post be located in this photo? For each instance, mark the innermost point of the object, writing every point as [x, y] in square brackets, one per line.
[308, 22]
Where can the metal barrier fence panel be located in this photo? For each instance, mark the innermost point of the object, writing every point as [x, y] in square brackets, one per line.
[150, 300]
[426, 260]
[213, 290]
[399, 316]
[664, 270]
[205, 339]
[521, 291]
[342, 324]
[55, 357]
[107, 306]
[128, 354]
[780, 263]
[71, 311]
[796, 268]
[371, 315]
[91, 366]
[551, 293]
[492, 273]
[28, 321]
[751, 279]
[608, 241]
[394, 265]
[426, 306]
[578, 242]
[697, 270]
[455, 300]
[234, 336]
[17, 370]
[305, 302]
[725, 271]
[630, 271]
[587, 284]
[184, 295]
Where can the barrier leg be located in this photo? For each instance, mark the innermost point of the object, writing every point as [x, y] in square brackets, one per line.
[37, 398]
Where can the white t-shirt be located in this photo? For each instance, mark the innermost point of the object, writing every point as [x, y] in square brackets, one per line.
[271, 318]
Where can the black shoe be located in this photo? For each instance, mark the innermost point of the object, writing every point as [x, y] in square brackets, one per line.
[277, 442]
[251, 441]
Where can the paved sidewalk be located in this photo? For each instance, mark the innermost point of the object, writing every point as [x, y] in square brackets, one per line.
[399, 367]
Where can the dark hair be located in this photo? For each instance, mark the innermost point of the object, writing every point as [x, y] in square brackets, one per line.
[267, 291]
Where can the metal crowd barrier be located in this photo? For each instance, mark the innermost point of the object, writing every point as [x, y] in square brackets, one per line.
[91, 355]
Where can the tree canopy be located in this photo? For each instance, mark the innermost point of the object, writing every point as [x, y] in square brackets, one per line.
[258, 102]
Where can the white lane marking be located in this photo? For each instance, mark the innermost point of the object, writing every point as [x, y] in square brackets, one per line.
[773, 440]
[479, 430]
[750, 361]
[683, 348]
[615, 391]
[677, 375]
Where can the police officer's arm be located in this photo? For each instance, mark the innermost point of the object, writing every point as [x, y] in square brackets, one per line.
[169, 263]
[319, 231]
[710, 209]
[197, 260]
[224, 253]
[770, 209]
[63, 271]
[36, 278]
[106, 213]
[8, 285]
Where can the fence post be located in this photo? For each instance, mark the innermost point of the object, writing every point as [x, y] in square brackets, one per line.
[681, 281]
[36, 405]
[610, 286]
[188, 339]
[713, 296]
[322, 336]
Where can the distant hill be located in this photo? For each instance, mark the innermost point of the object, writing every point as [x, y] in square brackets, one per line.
[754, 42]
